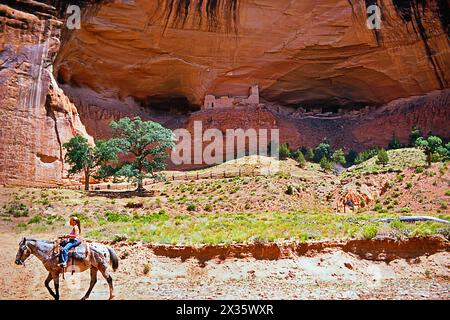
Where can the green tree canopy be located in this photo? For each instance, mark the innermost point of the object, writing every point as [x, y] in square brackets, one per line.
[322, 150]
[91, 160]
[430, 146]
[147, 143]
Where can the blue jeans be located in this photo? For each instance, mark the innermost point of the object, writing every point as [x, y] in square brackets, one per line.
[65, 251]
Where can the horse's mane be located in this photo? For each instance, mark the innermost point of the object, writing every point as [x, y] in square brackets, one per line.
[38, 240]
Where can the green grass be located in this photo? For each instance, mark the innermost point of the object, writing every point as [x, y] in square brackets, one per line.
[399, 160]
[226, 228]
[16, 209]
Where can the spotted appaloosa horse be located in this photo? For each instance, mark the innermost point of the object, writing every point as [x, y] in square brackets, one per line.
[98, 257]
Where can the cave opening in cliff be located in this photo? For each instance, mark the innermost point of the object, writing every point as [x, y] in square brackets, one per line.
[327, 107]
[174, 105]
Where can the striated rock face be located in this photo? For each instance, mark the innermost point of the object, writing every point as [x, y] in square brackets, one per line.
[158, 59]
[37, 118]
[299, 52]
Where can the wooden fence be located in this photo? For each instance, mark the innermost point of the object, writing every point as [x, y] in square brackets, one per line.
[186, 176]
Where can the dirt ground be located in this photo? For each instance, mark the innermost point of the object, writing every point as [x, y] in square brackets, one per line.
[328, 275]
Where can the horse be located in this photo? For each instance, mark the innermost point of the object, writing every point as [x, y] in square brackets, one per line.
[97, 257]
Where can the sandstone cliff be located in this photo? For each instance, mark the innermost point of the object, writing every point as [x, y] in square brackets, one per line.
[37, 118]
[158, 59]
[299, 52]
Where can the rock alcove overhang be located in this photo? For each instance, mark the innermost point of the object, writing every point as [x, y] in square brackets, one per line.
[189, 48]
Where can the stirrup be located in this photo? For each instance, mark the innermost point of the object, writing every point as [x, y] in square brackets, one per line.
[63, 265]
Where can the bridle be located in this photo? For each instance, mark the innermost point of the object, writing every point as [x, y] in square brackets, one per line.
[22, 249]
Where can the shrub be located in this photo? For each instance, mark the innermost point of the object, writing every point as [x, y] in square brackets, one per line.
[116, 217]
[419, 169]
[146, 268]
[366, 155]
[350, 158]
[408, 185]
[284, 151]
[290, 190]
[443, 205]
[191, 207]
[325, 164]
[309, 154]
[300, 158]
[377, 207]
[394, 143]
[447, 193]
[339, 157]
[35, 219]
[405, 210]
[16, 209]
[369, 232]
[397, 224]
[208, 207]
[382, 157]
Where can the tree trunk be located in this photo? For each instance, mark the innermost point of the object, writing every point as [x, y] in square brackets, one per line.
[140, 186]
[429, 158]
[86, 179]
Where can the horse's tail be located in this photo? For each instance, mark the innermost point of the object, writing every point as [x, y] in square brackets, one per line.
[114, 259]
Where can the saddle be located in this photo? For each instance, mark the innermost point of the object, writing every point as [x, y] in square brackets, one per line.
[79, 252]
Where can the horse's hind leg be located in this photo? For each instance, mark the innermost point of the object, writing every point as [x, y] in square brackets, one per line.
[47, 281]
[56, 282]
[108, 278]
[92, 283]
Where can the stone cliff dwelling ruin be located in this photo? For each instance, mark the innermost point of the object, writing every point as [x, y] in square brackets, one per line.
[211, 102]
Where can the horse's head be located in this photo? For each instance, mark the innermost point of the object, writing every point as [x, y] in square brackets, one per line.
[23, 253]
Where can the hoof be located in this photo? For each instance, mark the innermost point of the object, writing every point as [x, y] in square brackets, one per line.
[84, 298]
[111, 297]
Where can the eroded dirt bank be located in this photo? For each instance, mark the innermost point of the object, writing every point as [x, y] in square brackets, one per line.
[324, 272]
[379, 249]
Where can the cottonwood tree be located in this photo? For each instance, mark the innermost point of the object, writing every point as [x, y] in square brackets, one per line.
[147, 143]
[430, 146]
[323, 150]
[82, 157]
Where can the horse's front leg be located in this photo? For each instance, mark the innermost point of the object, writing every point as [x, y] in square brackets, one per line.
[47, 281]
[92, 283]
[55, 277]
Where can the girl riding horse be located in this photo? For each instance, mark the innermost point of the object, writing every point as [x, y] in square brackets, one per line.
[73, 241]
